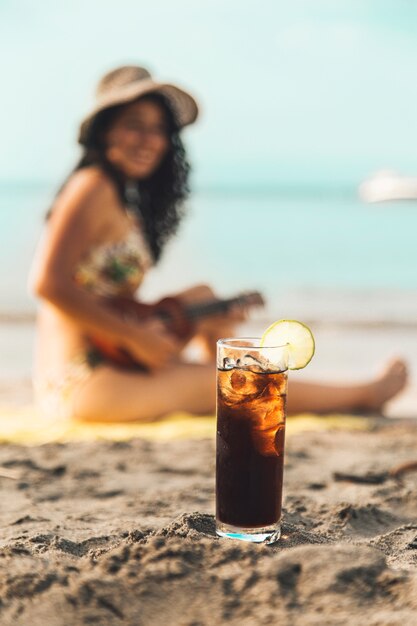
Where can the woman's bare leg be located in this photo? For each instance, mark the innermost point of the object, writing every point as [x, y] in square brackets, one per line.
[115, 395]
[323, 398]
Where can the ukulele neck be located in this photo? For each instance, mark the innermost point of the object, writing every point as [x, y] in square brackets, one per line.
[212, 307]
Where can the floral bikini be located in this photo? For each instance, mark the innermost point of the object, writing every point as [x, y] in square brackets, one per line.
[109, 269]
[115, 269]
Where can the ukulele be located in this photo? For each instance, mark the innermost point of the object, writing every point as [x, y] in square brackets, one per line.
[179, 318]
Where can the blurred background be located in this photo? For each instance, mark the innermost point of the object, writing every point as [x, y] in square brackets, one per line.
[304, 159]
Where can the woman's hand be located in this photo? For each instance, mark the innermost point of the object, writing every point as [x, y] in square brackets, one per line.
[223, 324]
[212, 328]
[151, 344]
[218, 325]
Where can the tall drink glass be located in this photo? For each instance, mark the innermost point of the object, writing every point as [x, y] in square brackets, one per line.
[251, 412]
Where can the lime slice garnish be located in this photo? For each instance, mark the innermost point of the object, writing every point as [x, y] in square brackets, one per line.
[298, 339]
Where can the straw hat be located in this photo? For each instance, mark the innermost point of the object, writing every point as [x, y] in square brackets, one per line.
[129, 82]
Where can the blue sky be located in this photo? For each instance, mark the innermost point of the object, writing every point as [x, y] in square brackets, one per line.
[306, 91]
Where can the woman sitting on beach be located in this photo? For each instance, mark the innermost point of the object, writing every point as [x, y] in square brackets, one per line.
[108, 226]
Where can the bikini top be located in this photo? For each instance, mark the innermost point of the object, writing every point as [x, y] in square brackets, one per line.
[117, 268]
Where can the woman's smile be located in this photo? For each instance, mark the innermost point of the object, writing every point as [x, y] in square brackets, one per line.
[143, 156]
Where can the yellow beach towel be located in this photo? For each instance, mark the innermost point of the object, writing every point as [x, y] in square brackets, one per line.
[25, 426]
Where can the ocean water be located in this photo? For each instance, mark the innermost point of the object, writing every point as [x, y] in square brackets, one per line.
[315, 254]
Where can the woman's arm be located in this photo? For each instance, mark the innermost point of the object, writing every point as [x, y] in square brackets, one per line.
[85, 212]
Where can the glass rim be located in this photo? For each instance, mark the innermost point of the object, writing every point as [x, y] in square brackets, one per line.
[229, 343]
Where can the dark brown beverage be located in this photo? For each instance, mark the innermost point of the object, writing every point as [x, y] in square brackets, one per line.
[250, 447]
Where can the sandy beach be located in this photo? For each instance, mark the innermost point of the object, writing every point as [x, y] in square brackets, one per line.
[123, 533]
[106, 532]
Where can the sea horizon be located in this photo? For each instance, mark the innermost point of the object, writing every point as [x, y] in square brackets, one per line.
[315, 250]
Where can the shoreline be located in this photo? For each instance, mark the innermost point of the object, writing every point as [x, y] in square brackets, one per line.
[320, 306]
[29, 318]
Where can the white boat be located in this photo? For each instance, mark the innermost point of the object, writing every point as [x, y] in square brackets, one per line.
[387, 185]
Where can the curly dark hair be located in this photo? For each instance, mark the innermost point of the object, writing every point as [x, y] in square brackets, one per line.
[161, 197]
